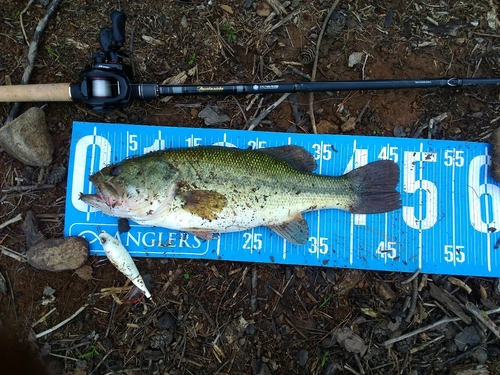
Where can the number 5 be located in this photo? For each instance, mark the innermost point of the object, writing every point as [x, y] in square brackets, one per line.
[413, 183]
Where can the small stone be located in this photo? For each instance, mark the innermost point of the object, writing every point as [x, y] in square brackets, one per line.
[59, 254]
[399, 131]
[355, 58]
[350, 341]
[194, 112]
[27, 138]
[336, 23]
[350, 280]
[213, 116]
[467, 338]
[331, 276]
[326, 127]
[85, 272]
[349, 125]
[263, 369]
[166, 322]
[302, 358]
[385, 291]
[263, 9]
[184, 22]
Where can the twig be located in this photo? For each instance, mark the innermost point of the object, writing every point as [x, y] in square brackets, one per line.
[42, 319]
[22, 23]
[13, 254]
[434, 325]
[14, 310]
[315, 65]
[410, 279]
[13, 220]
[101, 361]
[483, 318]
[241, 109]
[111, 316]
[414, 298]
[299, 73]
[420, 330]
[57, 326]
[364, 65]
[27, 188]
[284, 20]
[177, 273]
[490, 35]
[360, 116]
[32, 54]
[264, 113]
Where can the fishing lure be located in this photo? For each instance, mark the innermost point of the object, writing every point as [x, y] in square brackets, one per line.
[121, 259]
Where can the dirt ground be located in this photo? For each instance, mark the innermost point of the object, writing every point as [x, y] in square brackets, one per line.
[239, 318]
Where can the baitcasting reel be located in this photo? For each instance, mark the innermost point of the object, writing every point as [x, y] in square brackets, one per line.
[105, 85]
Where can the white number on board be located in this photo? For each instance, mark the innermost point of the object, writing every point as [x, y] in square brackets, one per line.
[253, 241]
[454, 158]
[426, 214]
[389, 153]
[386, 250]
[322, 151]
[454, 254]
[484, 198]
[318, 245]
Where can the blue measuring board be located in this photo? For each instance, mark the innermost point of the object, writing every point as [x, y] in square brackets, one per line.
[448, 223]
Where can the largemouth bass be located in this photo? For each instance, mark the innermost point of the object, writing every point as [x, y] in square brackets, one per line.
[206, 190]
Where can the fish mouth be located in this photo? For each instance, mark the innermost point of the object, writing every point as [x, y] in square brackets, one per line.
[107, 194]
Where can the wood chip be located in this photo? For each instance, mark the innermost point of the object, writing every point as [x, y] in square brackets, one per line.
[449, 301]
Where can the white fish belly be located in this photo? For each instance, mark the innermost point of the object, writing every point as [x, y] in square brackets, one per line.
[230, 219]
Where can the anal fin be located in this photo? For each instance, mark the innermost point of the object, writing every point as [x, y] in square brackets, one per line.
[202, 234]
[295, 231]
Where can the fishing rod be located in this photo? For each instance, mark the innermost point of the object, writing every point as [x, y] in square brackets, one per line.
[107, 84]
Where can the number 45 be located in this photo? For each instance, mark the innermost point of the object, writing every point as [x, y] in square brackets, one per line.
[386, 250]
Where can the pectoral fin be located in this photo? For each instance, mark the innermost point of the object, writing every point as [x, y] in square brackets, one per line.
[203, 203]
[295, 231]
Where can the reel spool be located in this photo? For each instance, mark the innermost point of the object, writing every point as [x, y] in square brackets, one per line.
[101, 88]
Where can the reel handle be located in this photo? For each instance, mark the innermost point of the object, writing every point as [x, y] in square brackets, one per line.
[118, 20]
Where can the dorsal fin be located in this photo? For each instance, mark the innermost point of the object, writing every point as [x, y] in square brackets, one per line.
[297, 156]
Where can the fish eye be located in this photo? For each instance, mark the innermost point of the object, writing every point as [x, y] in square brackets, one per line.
[115, 171]
[103, 240]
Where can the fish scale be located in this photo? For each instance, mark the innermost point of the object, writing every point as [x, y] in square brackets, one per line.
[448, 224]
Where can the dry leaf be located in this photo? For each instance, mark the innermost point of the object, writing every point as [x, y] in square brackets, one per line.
[227, 8]
[151, 40]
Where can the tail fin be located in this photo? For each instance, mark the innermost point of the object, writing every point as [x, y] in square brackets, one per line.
[374, 185]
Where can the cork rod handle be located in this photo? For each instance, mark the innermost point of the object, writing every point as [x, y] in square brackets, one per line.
[52, 92]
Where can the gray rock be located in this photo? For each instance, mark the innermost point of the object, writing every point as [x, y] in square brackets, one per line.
[467, 338]
[59, 254]
[27, 138]
[302, 357]
[336, 23]
[213, 116]
[350, 341]
[399, 131]
[166, 322]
